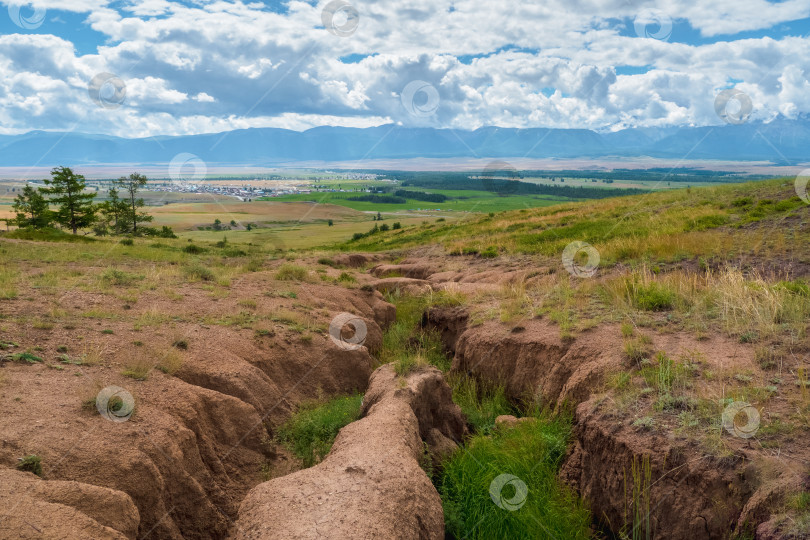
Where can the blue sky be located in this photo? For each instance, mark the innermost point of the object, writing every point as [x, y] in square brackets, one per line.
[158, 67]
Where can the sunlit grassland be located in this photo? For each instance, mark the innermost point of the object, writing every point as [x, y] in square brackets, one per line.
[192, 215]
[299, 236]
[672, 226]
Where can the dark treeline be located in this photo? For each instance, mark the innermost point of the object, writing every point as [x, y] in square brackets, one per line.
[421, 196]
[380, 199]
[681, 175]
[502, 186]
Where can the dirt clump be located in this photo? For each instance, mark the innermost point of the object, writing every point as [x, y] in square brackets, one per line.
[34, 508]
[355, 260]
[370, 485]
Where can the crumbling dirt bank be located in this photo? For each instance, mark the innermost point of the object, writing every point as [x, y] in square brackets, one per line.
[371, 484]
[692, 492]
[198, 440]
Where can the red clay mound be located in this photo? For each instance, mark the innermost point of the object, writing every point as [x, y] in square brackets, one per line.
[370, 485]
[34, 508]
[355, 260]
[529, 359]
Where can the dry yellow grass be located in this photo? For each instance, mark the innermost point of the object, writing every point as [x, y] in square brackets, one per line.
[169, 361]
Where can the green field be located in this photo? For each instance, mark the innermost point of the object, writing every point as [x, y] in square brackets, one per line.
[459, 201]
[596, 182]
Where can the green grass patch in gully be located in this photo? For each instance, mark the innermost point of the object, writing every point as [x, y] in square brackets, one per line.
[310, 432]
[533, 502]
[406, 342]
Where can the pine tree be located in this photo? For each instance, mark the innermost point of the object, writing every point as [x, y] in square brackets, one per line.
[130, 186]
[112, 215]
[76, 209]
[32, 209]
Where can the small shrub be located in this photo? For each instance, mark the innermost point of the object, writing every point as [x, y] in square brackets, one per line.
[181, 344]
[742, 201]
[197, 271]
[126, 242]
[254, 265]
[645, 423]
[233, 252]
[704, 223]
[137, 367]
[26, 357]
[654, 297]
[489, 253]
[31, 463]
[117, 277]
[193, 249]
[346, 277]
[637, 349]
[170, 362]
[291, 272]
[767, 358]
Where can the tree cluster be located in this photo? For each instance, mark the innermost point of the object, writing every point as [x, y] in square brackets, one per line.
[66, 203]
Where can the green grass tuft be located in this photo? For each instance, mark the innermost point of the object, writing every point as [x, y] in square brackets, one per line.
[310, 432]
[480, 404]
[292, 272]
[532, 452]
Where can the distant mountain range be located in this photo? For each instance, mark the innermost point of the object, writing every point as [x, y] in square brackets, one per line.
[782, 141]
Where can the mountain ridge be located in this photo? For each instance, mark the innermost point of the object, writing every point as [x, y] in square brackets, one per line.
[782, 141]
